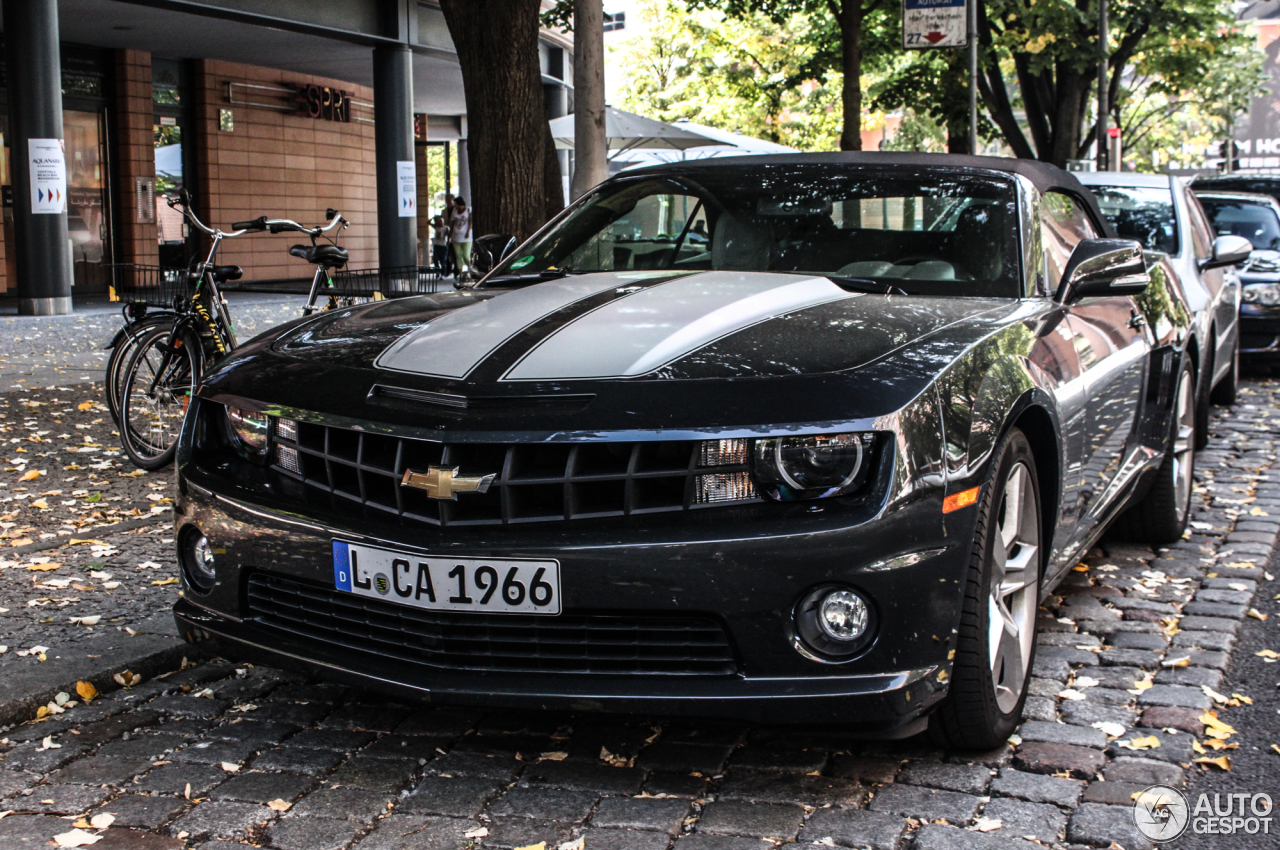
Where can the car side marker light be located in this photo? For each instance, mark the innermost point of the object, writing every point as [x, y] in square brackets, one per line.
[963, 499]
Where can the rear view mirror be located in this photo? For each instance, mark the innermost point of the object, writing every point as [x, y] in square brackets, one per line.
[1228, 251]
[1104, 267]
[490, 250]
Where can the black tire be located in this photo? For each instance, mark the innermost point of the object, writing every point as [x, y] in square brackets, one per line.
[120, 355]
[1161, 517]
[988, 689]
[150, 422]
[1226, 390]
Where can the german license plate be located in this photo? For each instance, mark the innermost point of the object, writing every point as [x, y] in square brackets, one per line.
[489, 586]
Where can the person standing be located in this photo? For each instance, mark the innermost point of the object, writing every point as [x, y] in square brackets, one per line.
[439, 244]
[447, 214]
[461, 236]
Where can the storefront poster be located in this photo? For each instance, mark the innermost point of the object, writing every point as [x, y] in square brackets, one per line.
[933, 23]
[407, 174]
[48, 176]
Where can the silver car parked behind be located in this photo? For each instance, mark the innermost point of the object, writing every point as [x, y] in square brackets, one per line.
[1159, 211]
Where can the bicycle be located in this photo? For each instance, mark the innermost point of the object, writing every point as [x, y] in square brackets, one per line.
[169, 357]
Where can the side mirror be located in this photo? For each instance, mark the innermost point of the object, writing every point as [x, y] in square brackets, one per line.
[1104, 267]
[490, 250]
[1228, 251]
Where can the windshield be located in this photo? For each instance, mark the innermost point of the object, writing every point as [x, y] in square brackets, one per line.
[1255, 222]
[1144, 214]
[927, 232]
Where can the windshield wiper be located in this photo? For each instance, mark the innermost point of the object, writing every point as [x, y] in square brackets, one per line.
[545, 274]
[862, 284]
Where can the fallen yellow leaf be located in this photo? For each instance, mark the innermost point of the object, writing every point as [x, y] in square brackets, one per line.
[1253, 612]
[85, 405]
[75, 541]
[278, 805]
[1244, 699]
[164, 581]
[1150, 742]
[1210, 719]
[30, 475]
[1221, 762]
[42, 568]
[541, 845]
[86, 690]
[1258, 512]
[1267, 653]
[41, 504]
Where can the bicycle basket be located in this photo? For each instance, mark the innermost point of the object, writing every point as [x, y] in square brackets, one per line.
[155, 286]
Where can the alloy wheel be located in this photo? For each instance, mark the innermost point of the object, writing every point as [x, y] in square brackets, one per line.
[1015, 572]
[1184, 445]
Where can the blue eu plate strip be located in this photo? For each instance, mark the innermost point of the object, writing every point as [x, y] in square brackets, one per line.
[341, 566]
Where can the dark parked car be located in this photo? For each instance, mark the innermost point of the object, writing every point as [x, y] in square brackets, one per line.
[1160, 212]
[1255, 217]
[819, 465]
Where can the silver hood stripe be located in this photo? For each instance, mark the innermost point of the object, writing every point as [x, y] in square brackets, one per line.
[651, 328]
[456, 343]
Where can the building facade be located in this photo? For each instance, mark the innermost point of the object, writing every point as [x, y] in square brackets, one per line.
[256, 107]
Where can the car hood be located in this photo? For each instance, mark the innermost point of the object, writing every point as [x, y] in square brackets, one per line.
[638, 325]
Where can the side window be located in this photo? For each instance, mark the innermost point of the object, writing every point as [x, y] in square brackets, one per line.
[1063, 223]
[1201, 233]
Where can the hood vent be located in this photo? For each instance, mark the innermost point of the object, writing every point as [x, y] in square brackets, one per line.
[452, 402]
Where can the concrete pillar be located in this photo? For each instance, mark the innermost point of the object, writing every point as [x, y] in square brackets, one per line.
[393, 145]
[35, 112]
[464, 173]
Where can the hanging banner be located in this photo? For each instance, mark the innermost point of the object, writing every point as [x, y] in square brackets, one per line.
[48, 176]
[407, 177]
[928, 24]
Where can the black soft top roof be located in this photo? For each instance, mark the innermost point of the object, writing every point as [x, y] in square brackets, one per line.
[1042, 175]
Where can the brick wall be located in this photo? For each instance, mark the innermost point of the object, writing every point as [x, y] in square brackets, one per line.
[283, 166]
[135, 152]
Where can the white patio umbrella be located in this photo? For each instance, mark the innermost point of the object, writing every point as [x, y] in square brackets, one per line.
[726, 143]
[627, 131]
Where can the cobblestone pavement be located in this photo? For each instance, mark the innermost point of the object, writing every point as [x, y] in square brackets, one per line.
[1130, 668]
[48, 351]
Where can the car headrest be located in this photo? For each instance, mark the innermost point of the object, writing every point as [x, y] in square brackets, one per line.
[739, 245]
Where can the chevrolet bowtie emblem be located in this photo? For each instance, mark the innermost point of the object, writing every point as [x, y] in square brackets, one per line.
[441, 482]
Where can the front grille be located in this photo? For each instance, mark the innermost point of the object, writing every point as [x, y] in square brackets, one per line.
[533, 482]
[513, 643]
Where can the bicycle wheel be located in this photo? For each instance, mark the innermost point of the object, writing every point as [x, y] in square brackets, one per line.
[122, 353]
[158, 385]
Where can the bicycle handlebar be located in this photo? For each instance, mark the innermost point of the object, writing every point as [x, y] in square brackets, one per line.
[257, 225]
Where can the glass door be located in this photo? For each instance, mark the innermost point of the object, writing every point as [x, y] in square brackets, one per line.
[88, 222]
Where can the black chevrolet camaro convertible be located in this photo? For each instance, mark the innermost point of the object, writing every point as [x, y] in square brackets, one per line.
[791, 439]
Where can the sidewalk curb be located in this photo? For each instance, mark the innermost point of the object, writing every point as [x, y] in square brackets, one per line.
[146, 654]
[116, 528]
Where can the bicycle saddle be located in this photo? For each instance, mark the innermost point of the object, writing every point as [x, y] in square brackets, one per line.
[222, 274]
[329, 256]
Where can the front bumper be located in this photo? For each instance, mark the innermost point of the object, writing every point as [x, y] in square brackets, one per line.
[748, 576]
[1259, 331]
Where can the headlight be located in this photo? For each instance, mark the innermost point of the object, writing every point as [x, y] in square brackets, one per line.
[196, 557]
[1267, 294]
[248, 432]
[812, 467]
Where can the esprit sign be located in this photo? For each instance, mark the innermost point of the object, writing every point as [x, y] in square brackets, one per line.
[324, 103]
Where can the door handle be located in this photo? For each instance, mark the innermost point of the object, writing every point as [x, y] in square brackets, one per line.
[1136, 319]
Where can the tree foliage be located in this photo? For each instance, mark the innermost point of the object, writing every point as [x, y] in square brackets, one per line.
[747, 75]
[846, 37]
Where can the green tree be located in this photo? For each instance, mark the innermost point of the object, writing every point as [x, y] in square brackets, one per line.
[1051, 47]
[843, 34]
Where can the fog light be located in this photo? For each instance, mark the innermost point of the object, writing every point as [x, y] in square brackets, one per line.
[843, 615]
[196, 557]
[833, 624]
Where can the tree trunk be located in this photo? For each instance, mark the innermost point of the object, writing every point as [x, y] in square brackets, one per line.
[553, 180]
[590, 146]
[506, 112]
[851, 94]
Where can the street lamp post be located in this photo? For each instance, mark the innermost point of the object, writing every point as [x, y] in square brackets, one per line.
[1102, 85]
[973, 75]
